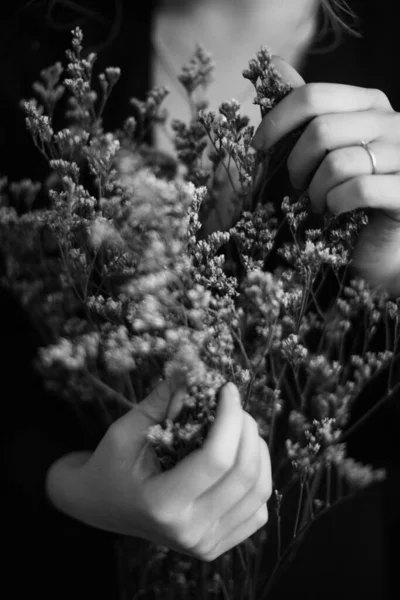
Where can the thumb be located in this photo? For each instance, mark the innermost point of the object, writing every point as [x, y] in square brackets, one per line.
[165, 401]
[132, 429]
[287, 72]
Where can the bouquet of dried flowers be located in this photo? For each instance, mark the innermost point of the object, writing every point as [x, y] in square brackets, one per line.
[129, 283]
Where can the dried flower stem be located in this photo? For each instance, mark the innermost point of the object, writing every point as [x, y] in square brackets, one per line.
[302, 482]
[109, 392]
[392, 362]
[366, 416]
[228, 174]
[311, 496]
[304, 300]
[328, 483]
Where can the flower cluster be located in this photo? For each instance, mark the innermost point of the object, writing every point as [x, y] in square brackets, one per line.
[269, 86]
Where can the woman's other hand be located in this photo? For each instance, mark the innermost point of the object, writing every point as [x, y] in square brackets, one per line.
[211, 501]
[340, 172]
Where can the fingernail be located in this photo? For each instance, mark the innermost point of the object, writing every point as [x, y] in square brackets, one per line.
[258, 140]
[176, 404]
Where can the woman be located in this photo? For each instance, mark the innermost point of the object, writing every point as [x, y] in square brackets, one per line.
[79, 488]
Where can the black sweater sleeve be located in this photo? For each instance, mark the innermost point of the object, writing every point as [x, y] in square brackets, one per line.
[349, 551]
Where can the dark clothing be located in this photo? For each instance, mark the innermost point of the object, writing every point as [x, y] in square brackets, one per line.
[48, 555]
[51, 555]
[350, 551]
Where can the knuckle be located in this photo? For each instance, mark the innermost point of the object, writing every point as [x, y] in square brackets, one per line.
[262, 516]
[190, 532]
[264, 489]
[249, 472]
[202, 550]
[318, 131]
[113, 432]
[333, 164]
[166, 515]
[185, 539]
[162, 516]
[182, 532]
[207, 541]
[116, 435]
[379, 98]
[221, 463]
[249, 466]
[266, 478]
[270, 122]
[311, 95]
[361, 187]
[332, 202]
[395, 123]
[182, 538]
[207, 556]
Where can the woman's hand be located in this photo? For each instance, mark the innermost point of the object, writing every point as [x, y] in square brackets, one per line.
[211, 501]
[330, 160]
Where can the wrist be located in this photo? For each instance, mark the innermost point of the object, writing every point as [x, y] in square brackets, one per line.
[65, 485]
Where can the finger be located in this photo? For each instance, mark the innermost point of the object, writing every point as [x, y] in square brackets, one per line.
[311, 100]
[289, 75]
[334, 131]
[133, 426]
[287, 72]
[204, 467]
[241, 533]
[176, 403]
[346, 163]
[231, 489]
[255, 497]
[367, 191]
[251, 502]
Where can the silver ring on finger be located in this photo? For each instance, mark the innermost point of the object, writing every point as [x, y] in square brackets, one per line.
[371, 155]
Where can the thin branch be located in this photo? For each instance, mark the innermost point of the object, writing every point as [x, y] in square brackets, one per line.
[346, 434]
[243, 351]
[311, 496]
[392, 362]
[222, 161]
[302, 481]
[109, 391]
